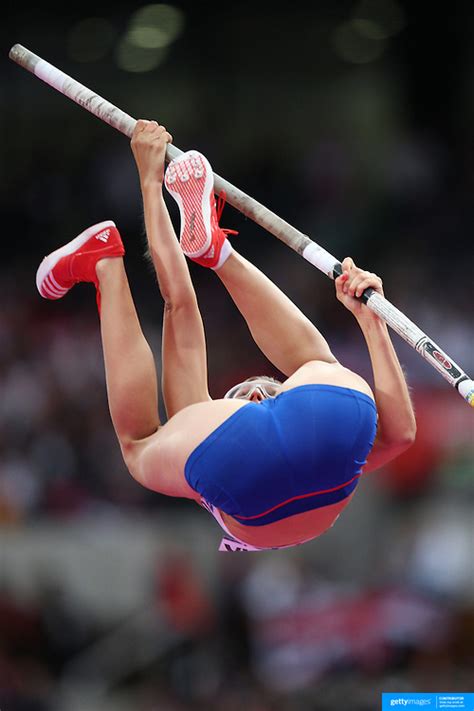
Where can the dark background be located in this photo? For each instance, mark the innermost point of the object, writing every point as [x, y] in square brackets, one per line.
[365, 143]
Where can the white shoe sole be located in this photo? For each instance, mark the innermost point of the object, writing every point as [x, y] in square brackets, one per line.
[190, 180]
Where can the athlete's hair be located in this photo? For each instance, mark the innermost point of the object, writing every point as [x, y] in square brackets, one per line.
[264, 377]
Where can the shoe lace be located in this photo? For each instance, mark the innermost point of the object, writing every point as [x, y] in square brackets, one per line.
[221, 201]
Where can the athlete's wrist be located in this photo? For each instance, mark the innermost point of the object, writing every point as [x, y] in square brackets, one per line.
[371, 322]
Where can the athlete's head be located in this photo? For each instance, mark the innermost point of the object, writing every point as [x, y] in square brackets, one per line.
[258, 387]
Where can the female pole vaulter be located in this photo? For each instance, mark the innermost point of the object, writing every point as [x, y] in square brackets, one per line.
[274, 462]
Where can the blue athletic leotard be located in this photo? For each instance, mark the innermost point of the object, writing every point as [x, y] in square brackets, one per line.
[302, 450]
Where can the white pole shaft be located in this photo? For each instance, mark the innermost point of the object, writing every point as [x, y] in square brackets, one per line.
[248, 206]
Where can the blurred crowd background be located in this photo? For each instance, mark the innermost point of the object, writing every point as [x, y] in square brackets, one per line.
[353, 121]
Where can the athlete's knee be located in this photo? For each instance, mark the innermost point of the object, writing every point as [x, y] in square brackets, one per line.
[325, 355]
[147, 459]
[132, 453]
[152, 462]
[317, 349]
[179, 300]
[328, 357]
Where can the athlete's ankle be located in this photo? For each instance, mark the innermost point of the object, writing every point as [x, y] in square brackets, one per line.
[108, 266]
[225, 253]
[230, 264]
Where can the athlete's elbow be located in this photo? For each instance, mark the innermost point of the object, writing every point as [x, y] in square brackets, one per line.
[399, 433]
[397, 442]
[409, 433]
[404, 440]
[407, 441]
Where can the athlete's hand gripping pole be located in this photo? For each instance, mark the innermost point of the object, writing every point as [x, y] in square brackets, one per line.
[264, 217]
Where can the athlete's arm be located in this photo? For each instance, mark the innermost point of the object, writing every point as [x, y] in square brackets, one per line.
[184, 367]
[397, 425]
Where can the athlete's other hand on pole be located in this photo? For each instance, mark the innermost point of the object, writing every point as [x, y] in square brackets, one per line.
[148, 144]
[352, 284]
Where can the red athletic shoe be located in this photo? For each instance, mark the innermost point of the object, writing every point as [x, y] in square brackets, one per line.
[75, 262]
[189, 179]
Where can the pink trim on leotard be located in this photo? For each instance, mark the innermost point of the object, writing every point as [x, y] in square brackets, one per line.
[233, 543]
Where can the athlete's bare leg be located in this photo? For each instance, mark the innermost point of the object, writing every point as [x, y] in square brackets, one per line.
[129, 363]
[281, 331]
